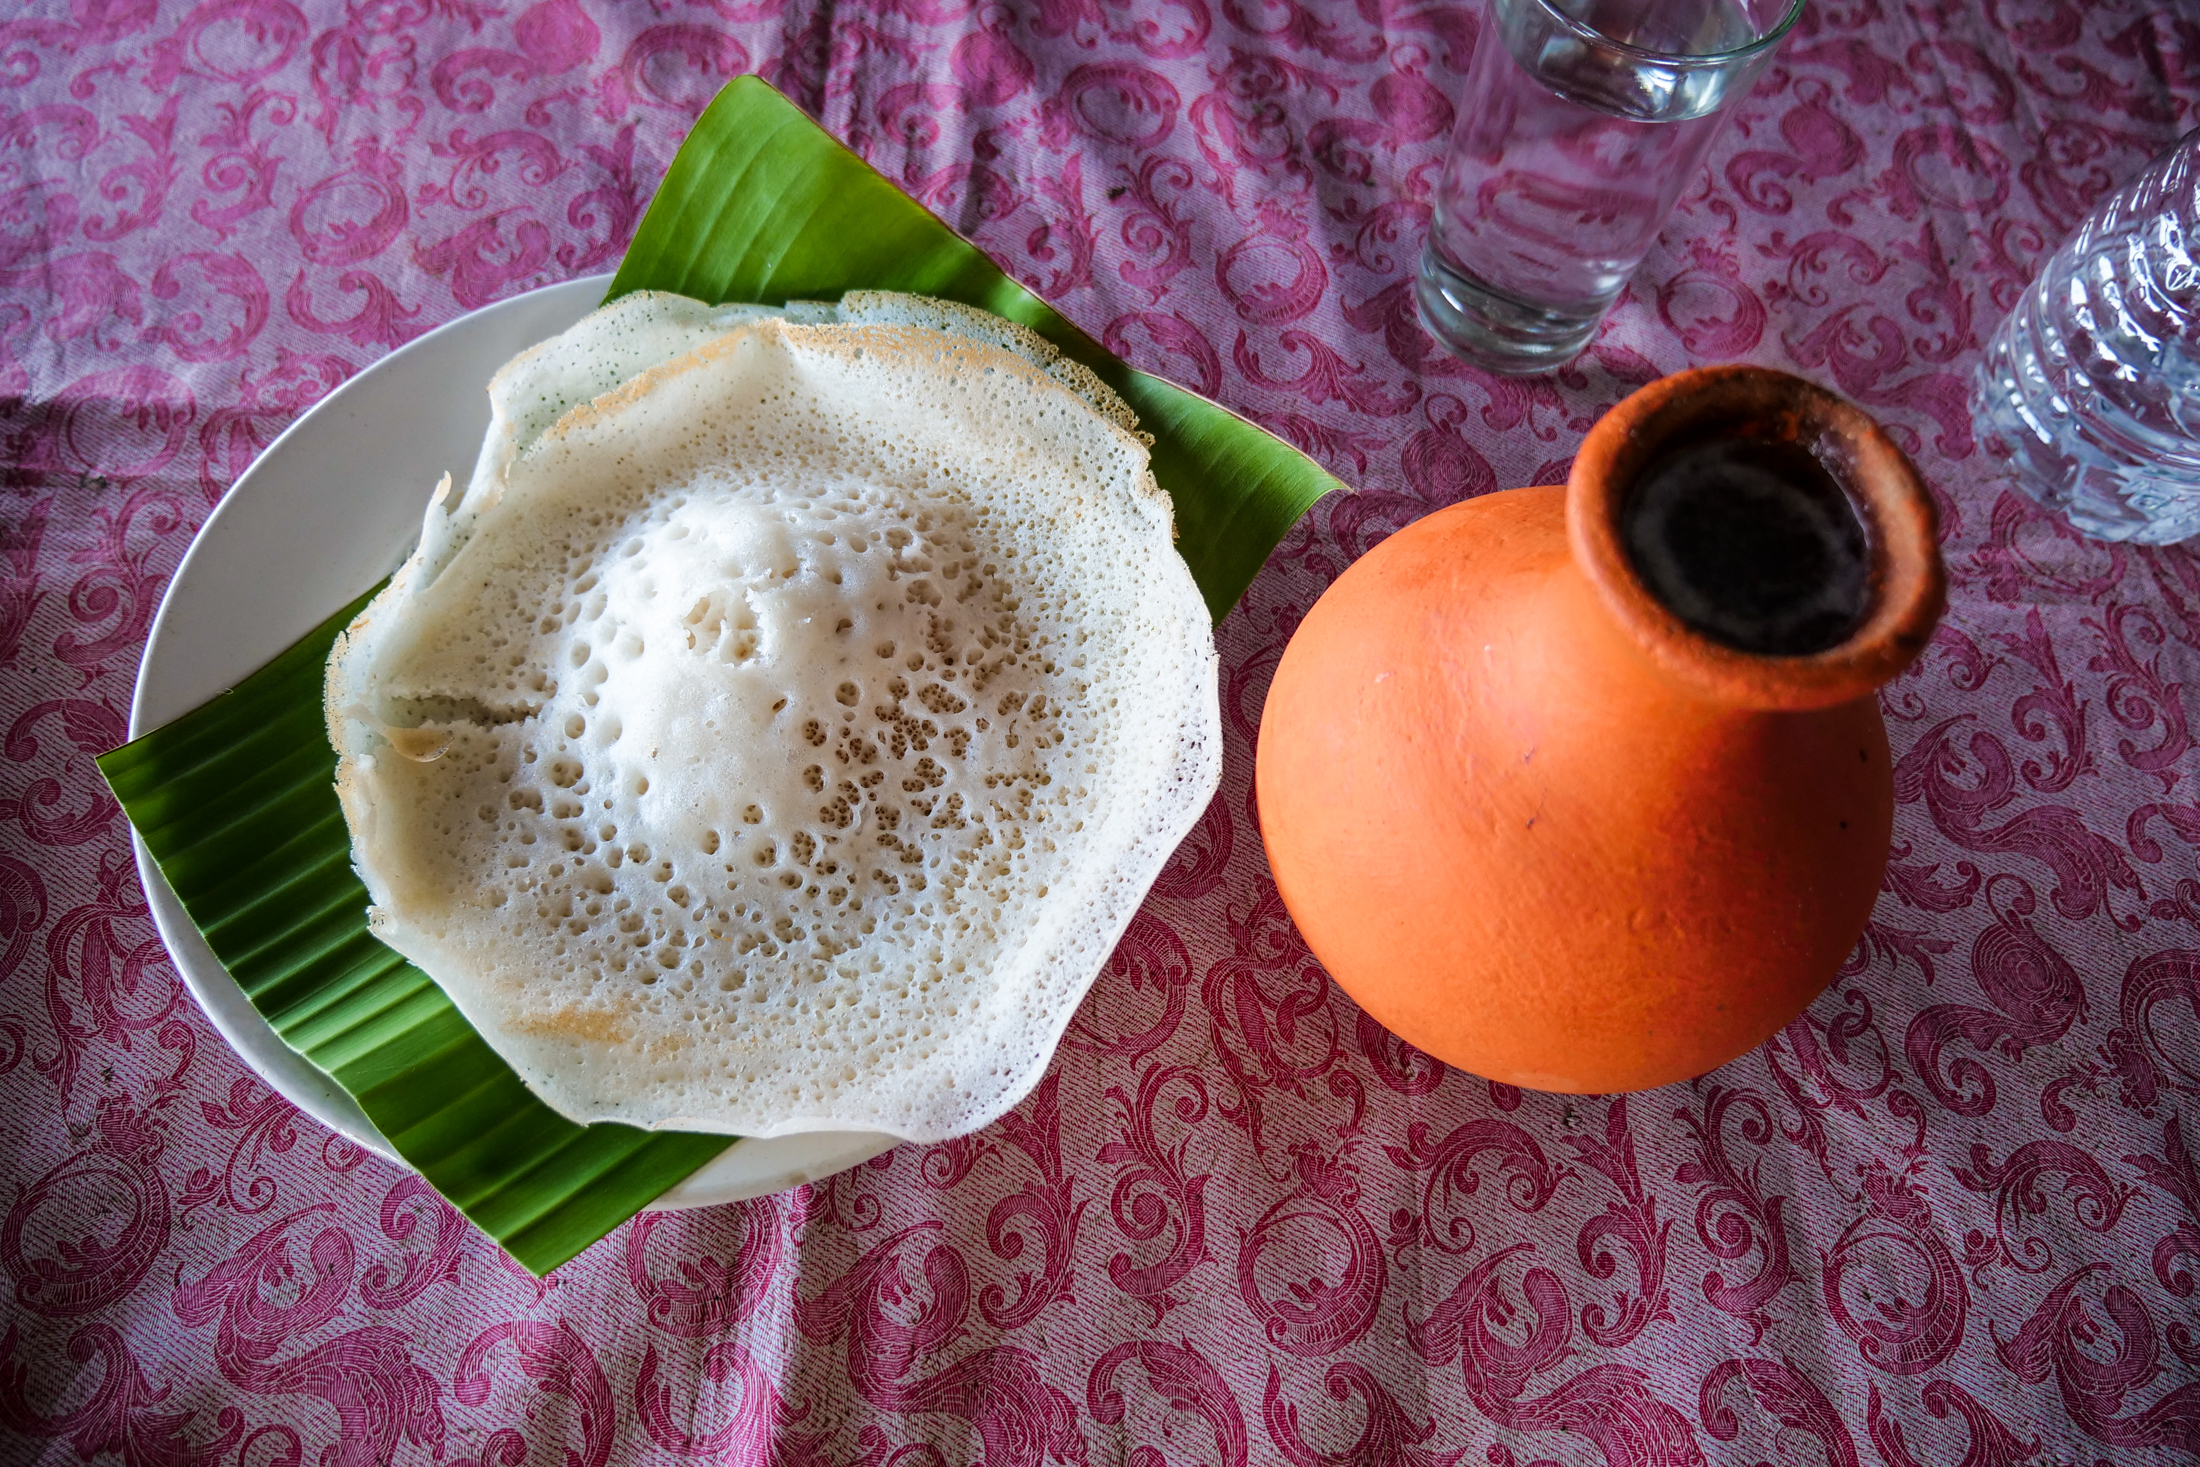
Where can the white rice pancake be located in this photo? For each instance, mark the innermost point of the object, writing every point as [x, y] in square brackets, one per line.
[784, 725]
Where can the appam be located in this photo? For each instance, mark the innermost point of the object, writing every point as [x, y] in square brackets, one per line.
[781, 728]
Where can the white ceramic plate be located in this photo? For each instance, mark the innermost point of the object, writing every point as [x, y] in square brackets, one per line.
[331, 507]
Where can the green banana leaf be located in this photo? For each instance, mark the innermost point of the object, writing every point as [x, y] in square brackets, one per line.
[761, 204]
[236, 799]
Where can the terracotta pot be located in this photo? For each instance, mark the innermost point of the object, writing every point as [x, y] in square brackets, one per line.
[1542, 827]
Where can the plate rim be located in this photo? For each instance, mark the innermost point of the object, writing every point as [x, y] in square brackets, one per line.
[751, 1167]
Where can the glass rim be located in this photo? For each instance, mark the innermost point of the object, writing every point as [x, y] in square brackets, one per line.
[1694, 60]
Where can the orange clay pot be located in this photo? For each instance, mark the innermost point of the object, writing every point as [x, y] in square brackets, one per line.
[1545, 831]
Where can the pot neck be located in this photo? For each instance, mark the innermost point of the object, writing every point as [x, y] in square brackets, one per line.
[1768, 414]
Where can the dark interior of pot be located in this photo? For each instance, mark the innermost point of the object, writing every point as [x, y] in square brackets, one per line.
[1751, 540]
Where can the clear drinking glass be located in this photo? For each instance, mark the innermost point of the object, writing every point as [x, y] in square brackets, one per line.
[1581, 123]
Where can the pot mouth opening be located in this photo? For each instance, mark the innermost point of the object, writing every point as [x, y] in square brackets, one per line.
[1753, 540]
[1758, 537]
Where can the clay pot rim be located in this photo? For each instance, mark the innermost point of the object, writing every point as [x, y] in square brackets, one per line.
[1909, 587]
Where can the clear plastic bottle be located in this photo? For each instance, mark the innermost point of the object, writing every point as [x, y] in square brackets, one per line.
[2091, 388]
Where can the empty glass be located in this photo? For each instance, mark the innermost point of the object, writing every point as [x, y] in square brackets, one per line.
[1582, 122]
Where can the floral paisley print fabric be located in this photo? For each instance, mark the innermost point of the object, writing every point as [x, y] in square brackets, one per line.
[1950, 1216]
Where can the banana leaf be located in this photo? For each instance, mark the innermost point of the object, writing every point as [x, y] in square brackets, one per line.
[236, 799]
[761, 204]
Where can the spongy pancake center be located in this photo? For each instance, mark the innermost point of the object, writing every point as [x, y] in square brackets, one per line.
[891, 720]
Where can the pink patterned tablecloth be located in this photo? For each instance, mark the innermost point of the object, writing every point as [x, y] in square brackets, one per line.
[1949, 1216]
